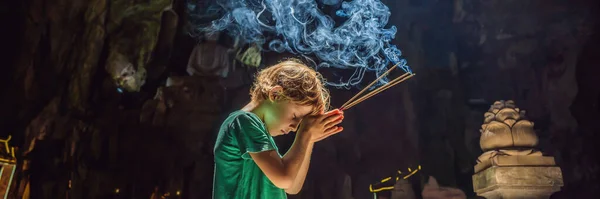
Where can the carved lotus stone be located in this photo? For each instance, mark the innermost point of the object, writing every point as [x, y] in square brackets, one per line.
[505, 126]
[500, 152]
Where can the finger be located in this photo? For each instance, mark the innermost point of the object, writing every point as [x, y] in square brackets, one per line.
[323, 137]
[328, 133]
[333, 131]
[333, 112]
[332, 118]
[334, 122]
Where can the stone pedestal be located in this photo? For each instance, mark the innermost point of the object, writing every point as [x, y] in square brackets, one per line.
[517, 177]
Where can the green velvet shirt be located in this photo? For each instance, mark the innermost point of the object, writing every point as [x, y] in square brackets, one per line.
[236, 174]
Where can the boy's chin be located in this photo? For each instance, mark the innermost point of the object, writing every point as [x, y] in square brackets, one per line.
[275, 134]
[278, 133]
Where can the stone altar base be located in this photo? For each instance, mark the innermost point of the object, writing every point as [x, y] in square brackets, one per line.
[517, 177]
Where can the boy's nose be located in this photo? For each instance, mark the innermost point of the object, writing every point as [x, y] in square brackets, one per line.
[294, 126]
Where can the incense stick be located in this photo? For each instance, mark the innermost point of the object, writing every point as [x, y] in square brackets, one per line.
[369, 86]
[372, 92]
[380, 89]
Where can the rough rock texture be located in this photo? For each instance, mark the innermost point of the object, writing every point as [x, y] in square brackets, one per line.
[61, 103]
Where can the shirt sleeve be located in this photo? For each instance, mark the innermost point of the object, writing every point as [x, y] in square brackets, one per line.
[252, 136]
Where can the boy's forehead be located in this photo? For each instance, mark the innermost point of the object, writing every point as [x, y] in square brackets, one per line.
[302, 109]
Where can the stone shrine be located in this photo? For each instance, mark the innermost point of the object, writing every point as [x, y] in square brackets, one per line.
[510, 166]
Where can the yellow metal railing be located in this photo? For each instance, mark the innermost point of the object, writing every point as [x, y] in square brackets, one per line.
[398, 176]
[8, 165]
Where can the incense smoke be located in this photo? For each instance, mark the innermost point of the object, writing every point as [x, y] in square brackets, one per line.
[361, 42]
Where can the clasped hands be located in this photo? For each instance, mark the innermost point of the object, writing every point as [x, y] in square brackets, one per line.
[321, 126]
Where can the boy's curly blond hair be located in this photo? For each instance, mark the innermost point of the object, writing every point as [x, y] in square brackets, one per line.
[301, 85]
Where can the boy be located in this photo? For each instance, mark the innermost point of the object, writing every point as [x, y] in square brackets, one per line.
[286, 97]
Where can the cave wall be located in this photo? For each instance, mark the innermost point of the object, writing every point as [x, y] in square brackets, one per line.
[70, 121]
[468, 54]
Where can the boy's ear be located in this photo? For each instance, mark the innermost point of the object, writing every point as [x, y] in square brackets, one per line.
[275, 93]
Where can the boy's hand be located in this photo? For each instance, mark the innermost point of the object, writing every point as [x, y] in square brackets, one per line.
[321, 126]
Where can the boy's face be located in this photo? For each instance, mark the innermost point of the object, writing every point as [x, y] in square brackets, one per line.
[285, 117]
